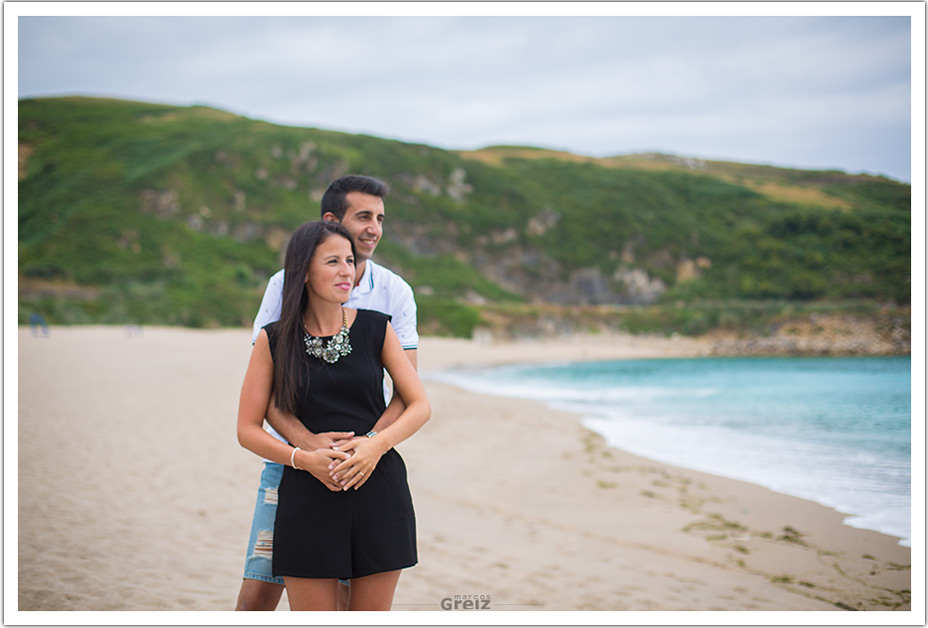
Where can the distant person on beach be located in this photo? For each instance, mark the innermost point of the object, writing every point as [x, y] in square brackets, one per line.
[37, 325]
[324, 363]
[356, 202]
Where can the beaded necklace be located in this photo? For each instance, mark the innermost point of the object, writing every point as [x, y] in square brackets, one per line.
[336, 347]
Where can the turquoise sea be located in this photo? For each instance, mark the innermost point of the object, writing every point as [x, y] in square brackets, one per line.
[833, 430]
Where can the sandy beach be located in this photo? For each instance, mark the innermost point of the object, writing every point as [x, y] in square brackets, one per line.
[134, 495]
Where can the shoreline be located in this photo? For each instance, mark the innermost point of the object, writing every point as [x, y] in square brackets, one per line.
[618, 349]
[464, 354]
[677, 539]
[737, 527]
[514, 500]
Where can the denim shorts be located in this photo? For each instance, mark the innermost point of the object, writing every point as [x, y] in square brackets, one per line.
[261, 541]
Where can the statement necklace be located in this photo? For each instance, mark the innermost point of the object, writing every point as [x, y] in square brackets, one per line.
[333, 349]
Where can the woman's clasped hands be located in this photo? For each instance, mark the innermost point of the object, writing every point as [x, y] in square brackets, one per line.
[320, 456]
[341, 463]
[363, 455]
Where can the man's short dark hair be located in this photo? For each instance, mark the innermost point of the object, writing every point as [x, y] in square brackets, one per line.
[334, 200]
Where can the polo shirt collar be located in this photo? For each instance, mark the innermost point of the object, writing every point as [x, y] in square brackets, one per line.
[367, 279]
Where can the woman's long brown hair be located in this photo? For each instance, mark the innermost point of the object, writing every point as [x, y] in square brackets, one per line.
[290, 353]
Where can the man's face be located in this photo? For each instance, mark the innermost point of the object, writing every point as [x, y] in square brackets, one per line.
[364, 221]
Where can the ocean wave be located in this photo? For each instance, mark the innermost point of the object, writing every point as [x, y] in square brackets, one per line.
[789, 433]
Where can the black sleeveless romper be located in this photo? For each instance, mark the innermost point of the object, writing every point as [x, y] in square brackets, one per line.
[320, 533]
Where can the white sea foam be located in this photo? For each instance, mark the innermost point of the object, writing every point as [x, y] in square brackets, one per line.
[821, 474]
[763, 438]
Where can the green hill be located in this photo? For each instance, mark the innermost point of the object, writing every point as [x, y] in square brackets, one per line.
[152, 214]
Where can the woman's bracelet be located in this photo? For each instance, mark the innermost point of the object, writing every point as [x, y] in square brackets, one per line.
[292, 454]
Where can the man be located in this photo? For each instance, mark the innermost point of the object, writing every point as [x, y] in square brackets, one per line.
[357, 202]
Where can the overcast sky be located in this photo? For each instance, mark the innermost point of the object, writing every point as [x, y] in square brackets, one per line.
[807, 92]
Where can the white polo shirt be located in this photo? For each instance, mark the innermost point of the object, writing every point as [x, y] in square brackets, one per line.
[380, 289]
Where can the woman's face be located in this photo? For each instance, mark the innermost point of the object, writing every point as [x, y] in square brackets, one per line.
[331, 271]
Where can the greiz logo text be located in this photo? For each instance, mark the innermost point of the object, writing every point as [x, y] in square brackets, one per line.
[466, 603]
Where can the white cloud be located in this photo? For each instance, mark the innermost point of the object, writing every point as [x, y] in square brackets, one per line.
[711, 86]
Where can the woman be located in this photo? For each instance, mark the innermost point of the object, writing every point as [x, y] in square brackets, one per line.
[324, 363]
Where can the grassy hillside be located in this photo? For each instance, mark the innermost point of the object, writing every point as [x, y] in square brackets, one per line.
[132, 212]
